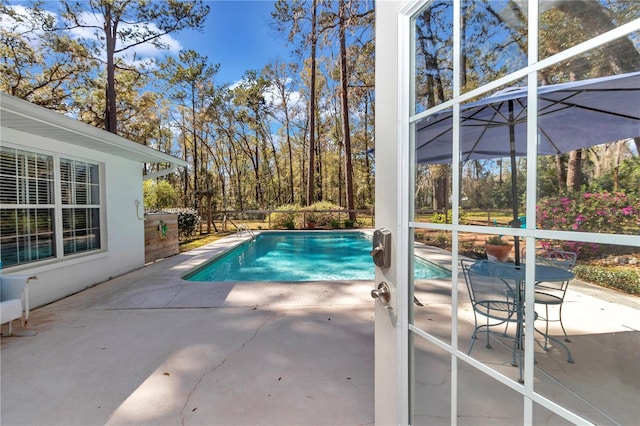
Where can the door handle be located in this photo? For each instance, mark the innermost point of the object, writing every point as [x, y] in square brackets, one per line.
[383, 294]
[381, 250]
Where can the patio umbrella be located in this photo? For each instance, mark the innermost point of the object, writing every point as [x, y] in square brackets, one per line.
[571, 115]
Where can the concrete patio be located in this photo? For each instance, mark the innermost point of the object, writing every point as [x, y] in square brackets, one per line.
[150, 348]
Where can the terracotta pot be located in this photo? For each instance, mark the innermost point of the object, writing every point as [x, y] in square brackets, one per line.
[498, 253]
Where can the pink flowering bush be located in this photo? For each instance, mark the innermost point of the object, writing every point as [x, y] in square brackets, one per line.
[603, 212]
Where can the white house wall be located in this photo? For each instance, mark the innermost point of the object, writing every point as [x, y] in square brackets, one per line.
[122, 231]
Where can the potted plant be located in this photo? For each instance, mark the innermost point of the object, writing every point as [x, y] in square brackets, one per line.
[497, 249]
[311, 221]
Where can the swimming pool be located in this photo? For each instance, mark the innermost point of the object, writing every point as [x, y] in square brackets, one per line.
[301, 256]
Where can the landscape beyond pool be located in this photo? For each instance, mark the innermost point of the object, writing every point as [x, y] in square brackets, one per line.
[302, 256]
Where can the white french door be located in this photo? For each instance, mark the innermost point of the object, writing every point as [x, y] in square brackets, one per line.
[424, 374]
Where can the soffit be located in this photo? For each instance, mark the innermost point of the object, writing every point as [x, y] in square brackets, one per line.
[26, 117]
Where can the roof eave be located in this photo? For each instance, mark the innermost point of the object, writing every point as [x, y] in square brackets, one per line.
[24, 116]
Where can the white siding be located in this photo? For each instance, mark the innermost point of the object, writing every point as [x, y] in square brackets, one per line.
[123, 233]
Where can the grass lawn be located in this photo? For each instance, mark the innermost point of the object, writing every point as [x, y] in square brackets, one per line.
[203, 240]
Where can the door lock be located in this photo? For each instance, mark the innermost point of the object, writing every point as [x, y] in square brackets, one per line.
[383, 294]
[381, 250]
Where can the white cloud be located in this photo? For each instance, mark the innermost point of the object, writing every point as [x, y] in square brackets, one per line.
[273, 98]
[142, 53]
[24, 26]
[272, 95]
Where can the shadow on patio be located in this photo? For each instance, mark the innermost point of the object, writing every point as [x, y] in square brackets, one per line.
[150, 348]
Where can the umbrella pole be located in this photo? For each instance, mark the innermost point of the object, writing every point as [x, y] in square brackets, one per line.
[514, 174]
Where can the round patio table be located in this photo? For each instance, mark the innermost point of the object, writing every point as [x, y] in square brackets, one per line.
[508, 271]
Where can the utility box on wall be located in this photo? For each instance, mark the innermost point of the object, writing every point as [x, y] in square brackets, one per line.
[160, 236]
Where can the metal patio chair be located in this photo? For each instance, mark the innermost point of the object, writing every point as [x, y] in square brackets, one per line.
[553, 293]
[492, 298]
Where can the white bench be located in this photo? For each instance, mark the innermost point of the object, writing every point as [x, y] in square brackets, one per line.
[14, 299]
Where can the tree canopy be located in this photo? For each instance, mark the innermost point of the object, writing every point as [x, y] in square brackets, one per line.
[299, 129]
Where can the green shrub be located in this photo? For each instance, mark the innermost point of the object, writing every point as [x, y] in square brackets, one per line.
[158, 195]
[442, 218]
[348, 223]
[188, 221]
[285, 217]
[627, 280]
[291, 216]
[323, 218]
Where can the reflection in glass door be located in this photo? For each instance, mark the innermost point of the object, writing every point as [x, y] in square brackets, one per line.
[503, 149]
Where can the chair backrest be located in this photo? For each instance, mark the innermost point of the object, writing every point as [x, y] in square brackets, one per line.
[490, 294]
[557, 258]
[553, 257]
[12, 287]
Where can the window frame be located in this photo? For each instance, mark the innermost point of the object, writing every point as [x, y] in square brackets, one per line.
[94, 205]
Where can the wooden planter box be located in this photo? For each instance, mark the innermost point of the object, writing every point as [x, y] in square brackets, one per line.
[160, 236]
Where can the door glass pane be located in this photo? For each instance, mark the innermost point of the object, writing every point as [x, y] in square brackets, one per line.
[433, 174]
[564, 24]
[484, 401]
[542, 416]
[493, 148]
[491, 314]
[489, 188]
[431, 305]
[494, 40]
[589, 185]
[433, 191]
[601, 317]
[589, 169]
[433, 30]
[431, 383]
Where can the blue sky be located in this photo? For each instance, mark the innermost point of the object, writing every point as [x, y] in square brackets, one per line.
[237, 35]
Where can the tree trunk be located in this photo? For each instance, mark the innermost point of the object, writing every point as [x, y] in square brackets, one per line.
[574, 170]
[110, 119]
[239, 194]
[616, 168]
[562, 174]
[287, 126]
[366, 150]
[195, 143]
[440, 187]
[256, 173]
[186, 169]
[346, 131]
[312, 108]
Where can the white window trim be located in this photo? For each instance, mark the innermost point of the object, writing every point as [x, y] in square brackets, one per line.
[60, 258]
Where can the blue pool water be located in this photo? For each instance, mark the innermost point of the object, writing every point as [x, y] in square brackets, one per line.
[301, 256]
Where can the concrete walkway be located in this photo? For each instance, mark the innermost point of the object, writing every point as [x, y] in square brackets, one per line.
[151, 348]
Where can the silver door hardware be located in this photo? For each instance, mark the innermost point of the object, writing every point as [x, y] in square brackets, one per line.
[383, 294]
[381, 251]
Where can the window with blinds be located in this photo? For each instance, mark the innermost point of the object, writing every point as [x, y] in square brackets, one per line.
[79, 185]
[29, 207]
